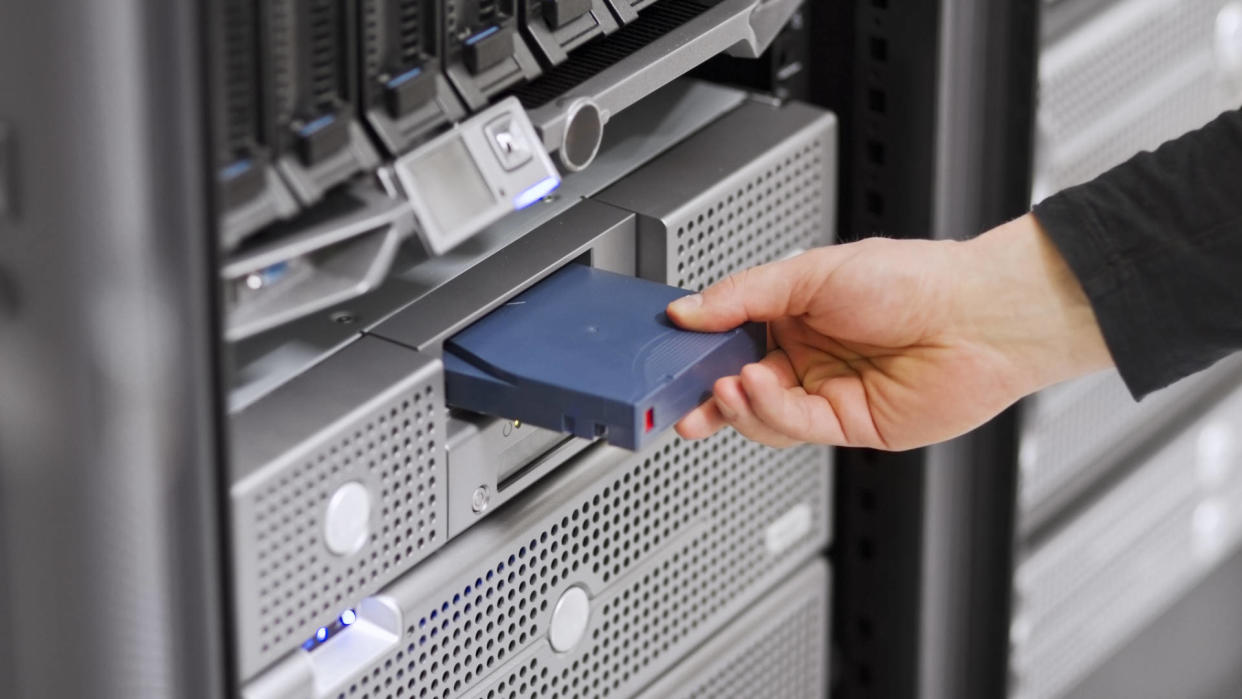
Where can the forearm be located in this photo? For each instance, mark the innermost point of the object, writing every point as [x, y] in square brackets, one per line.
[1157, 245]
[1022, 298]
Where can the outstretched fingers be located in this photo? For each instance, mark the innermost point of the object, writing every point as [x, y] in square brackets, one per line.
[762, 293]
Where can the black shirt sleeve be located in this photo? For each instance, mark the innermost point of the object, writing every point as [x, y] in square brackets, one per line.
[1157, 244]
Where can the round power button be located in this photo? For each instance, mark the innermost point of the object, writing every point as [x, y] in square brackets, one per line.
[569, 619]
[346, 522]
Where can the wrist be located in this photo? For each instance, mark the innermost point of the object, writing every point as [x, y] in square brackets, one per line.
[1029, 306]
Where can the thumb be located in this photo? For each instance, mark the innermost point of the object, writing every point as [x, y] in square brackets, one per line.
[762, 293]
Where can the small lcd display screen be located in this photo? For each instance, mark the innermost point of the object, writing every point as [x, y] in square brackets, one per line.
[451, 185]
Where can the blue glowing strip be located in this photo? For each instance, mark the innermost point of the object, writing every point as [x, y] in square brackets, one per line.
[535, 192]
[273, 273]
[236, 169]
[482, 35]
[316, 125]
[324, 633]
[404, 77]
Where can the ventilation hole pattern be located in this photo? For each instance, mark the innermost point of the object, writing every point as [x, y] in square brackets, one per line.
[785, 662]
[1190, 106]
[240, 71]
[713, 499]
[450, 17]
[591, 59]
[1079, 426]
[302, 585]
[325, 52]
[372, 44]
[410, 25]
[1080, 88]
[756, 221]
[281, 58]
[1143, 528]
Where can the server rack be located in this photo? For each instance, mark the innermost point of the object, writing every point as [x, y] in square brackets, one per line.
[936, 104]
[1112, 491]
[329, 301]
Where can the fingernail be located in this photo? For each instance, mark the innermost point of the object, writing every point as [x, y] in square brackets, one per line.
[729, 413]
[685, 304]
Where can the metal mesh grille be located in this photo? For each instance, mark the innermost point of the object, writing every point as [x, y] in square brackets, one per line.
[761, 189]
[1138, 75]
[1108, 572]
[291, 582]
[1168, 116]
[1077, 429]
[1098, 68]
[756, 219]
[671, 543]
[776, 651]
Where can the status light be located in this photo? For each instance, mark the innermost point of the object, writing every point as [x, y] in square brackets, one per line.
[535, 192]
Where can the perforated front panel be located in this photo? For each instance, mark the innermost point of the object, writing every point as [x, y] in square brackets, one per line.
[669, 544]
[777, 649]
[1140, 73]
[747, 190]
[754, 218]
[289, 582]
[1085, 590]
[1071, 432]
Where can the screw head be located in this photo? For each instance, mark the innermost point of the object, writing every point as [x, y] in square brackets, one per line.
[480, 498]
[344, 318]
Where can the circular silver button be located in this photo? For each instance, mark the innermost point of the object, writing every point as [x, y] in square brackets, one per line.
[569, 619]
[584, 131]
[346, 522]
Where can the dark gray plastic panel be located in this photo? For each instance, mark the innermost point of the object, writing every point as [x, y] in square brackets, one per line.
[555, 40]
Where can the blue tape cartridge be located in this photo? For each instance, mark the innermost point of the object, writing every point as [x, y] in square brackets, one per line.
[592, 353]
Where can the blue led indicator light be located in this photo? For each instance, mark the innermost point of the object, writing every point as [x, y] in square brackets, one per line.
[316, 125]
[235, 169]
[322, 634]
[535, 192]
[482, 35]
[348, 617]
[404, 77]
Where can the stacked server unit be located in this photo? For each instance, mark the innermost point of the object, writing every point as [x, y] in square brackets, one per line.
[401, 186]
[1122, 507]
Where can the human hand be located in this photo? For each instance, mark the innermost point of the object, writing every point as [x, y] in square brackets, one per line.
[896, 344]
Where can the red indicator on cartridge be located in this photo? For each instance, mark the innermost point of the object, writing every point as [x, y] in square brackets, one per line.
[650, 419]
